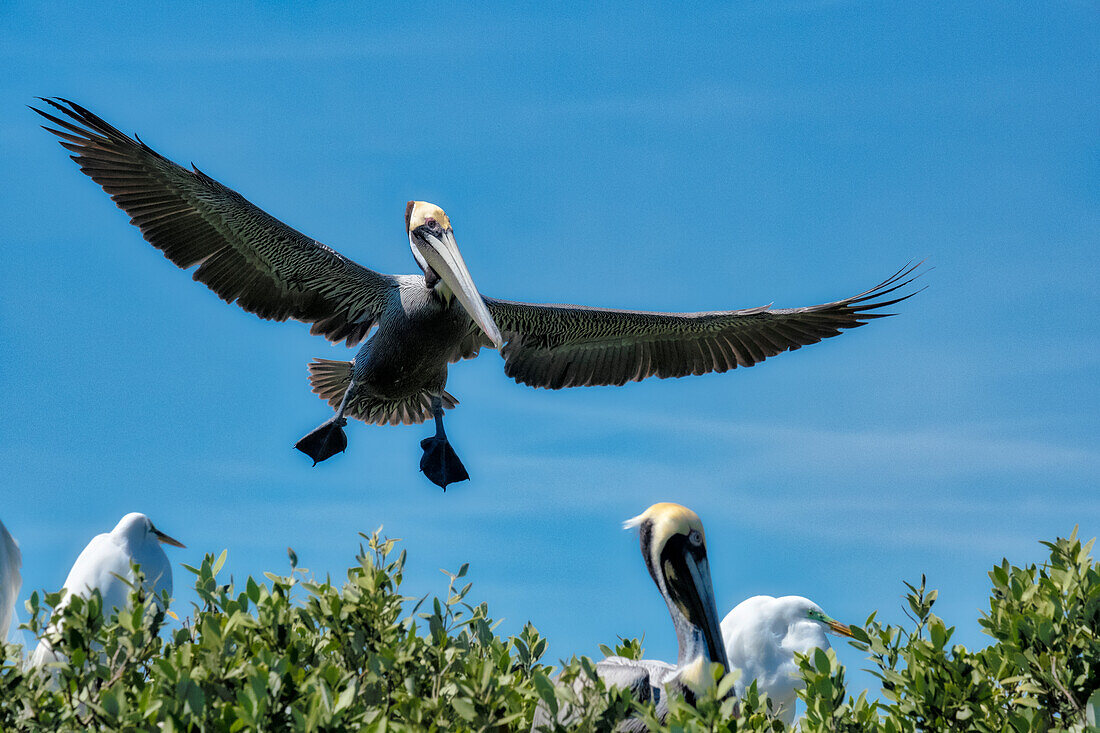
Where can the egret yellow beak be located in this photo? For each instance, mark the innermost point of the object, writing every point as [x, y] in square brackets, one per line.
[165, 539]
[839, 629]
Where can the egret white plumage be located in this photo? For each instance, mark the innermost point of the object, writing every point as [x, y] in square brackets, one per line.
[675, 552]
[11, 559]
[106, 565]
[761, 636]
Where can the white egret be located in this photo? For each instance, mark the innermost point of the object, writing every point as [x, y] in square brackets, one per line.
[762, 635]
[11, 559]
[105, 565]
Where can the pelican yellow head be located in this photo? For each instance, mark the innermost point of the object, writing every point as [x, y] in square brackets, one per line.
[419, 213]
[666, 519]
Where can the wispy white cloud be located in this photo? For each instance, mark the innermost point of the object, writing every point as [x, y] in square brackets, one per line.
[888, 522]
[961, 448]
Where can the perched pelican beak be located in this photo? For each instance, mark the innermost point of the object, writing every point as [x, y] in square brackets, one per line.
[165, 539]
[433, 244]
[687, 574]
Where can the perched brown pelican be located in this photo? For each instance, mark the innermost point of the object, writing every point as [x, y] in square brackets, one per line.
[675, 552]
[423, 321]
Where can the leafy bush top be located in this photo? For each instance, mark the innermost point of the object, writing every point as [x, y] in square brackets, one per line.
[292, 653]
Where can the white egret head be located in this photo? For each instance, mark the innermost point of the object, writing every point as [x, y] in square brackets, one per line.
[762, 635]
[802, 625]
[135, 529]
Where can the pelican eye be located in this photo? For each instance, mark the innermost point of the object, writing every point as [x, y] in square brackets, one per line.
[695, 538]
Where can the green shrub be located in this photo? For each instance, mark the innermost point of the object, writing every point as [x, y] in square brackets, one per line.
[292, 653]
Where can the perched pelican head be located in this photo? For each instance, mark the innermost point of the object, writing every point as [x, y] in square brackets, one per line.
[135, 528]
[433, 245]
[675, 551]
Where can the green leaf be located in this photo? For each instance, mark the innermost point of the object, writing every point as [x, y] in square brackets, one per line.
[464, 708]
[346, 699]
[252, 590]
[545, 689]
[938, 633]
[219, 562]
[727, 684]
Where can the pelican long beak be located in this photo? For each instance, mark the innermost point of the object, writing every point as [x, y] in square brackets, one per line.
[440, 252]
[707, 612]
[691, 590]
[165, 539]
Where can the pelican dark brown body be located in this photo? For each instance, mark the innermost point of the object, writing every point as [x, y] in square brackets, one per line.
[398, 377]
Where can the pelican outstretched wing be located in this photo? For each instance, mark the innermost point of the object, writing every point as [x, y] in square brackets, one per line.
[243, 254]
[557, 346]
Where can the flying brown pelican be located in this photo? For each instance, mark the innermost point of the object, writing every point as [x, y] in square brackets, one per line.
[423, 321]
[675, 551]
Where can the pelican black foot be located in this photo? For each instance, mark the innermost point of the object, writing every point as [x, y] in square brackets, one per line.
[326, 441]
[440, 462]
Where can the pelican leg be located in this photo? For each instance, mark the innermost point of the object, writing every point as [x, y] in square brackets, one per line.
[329, 438]
[440, 462]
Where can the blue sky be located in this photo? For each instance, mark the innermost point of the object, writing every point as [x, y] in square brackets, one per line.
[639, 157]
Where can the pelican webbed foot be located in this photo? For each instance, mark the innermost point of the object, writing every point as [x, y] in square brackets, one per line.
[440, 462]
[326, 441]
